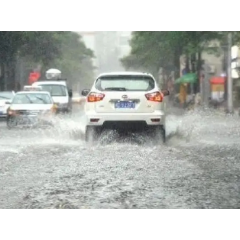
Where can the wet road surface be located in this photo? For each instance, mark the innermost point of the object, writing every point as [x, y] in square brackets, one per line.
[199, 167]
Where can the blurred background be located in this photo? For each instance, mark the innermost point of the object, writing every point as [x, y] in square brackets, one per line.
[81, 56]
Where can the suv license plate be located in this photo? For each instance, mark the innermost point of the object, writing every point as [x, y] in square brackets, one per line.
[124, 105]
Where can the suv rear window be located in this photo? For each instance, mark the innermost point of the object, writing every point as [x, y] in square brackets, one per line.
[125, 83]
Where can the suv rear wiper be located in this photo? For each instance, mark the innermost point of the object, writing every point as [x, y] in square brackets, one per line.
[116, 89]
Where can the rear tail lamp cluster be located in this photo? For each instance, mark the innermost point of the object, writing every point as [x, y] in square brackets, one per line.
[95, 97]
[154, 97]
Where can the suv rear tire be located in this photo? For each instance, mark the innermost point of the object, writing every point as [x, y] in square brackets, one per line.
[91, 134]
[159, 134]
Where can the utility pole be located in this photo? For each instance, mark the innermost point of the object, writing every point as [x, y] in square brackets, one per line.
[206, 86]
[229, 78]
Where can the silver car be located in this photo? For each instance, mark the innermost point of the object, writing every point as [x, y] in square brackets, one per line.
[5, 98]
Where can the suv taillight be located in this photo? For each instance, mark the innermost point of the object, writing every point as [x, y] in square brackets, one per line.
[155, 97]
[95, 97]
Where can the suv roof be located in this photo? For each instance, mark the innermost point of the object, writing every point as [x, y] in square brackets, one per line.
[124, 73]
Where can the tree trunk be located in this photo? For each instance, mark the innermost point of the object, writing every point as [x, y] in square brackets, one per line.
[189, 90]
[193, 70]
[225, 55]
[176, 64]
[187, 64]
[199, 70]
[10, 84]
[2, 76]
[6, 76]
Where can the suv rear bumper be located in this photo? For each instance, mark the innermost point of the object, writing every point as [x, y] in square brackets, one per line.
[151, 119]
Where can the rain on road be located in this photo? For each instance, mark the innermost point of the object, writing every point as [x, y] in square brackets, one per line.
[198, 167]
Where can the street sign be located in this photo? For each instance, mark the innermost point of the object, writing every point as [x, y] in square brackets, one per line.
[33, 77]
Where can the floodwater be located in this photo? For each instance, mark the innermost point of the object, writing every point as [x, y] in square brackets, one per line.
[199, 167]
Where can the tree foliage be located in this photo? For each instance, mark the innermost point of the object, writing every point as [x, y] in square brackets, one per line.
[63, 50]
[37, 45]
[41, 46]
[152, 50]
[75, 62]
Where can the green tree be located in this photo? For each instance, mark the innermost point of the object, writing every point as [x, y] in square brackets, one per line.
[152, 50]
[10, 42]
[36, 46]
[62, 49]
[76, 60]
[44, 46]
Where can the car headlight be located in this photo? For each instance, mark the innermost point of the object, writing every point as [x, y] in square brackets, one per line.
[54, 108]
[11, 111]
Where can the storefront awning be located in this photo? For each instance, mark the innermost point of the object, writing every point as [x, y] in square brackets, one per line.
[217, 80]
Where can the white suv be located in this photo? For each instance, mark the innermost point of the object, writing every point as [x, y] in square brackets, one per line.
[125, 101]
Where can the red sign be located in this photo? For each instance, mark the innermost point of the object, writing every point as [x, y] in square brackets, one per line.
[217, 80]
[33, 77]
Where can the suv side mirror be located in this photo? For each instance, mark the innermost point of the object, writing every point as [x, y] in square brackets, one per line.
[85, 92]
[70, 93]
[8, 102]
[165, 93]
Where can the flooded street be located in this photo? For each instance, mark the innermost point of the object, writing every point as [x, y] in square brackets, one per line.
[199, 167]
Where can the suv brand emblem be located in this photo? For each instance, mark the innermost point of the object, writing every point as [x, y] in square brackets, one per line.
[124, 96]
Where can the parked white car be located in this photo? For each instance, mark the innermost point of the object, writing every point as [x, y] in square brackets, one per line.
[5, 98]
[59, 92]
[125, 101]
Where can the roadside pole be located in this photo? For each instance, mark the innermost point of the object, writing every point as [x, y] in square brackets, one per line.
[229, 79]
[205, 86]
[201, 87]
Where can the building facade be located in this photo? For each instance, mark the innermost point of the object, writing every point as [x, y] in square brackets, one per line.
[108, 47]
[89, 38]
[124, 43]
